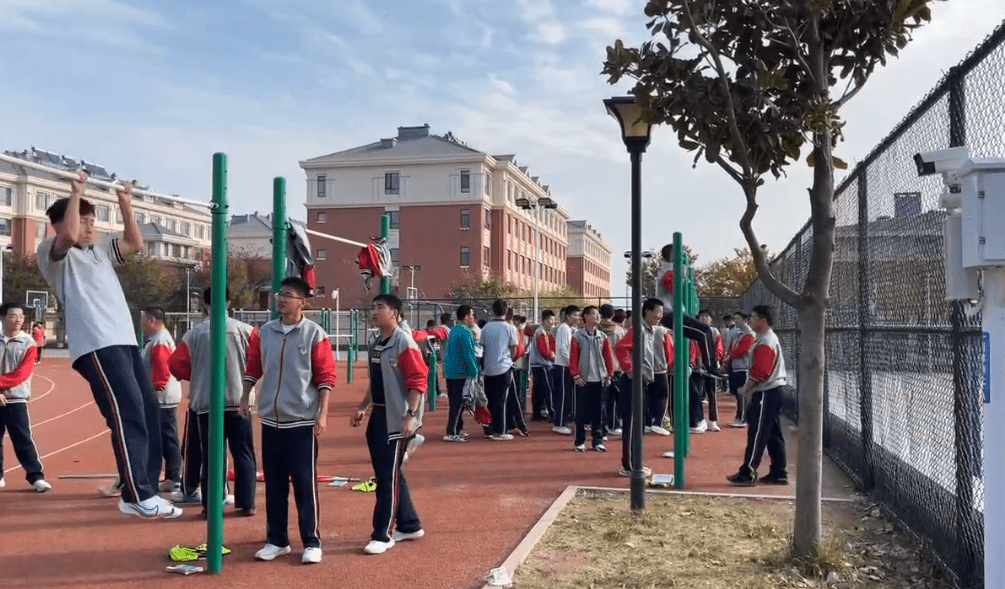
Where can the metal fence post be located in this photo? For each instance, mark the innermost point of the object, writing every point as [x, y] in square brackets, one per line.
[218, 345]
[278, 239]
[864, 293]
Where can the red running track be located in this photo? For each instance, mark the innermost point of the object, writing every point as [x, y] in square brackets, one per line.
[477, 501]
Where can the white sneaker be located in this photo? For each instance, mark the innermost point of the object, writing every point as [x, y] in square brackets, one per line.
[599, 448]
[659, 431]
[647, 430]
[498, 437]
[152, 508]
[668, 454]
[561, 429]
[413, 444]
[271, 551]
[616, 431]
[376, 547]
[41, 486]
[737, 423]
[581, 448]
[229, 500]
[311, 555]
[3, 483]
[701, 428]
[454, 439]
[713, 426]
[627, 472]
[401, 536]
[179, 496]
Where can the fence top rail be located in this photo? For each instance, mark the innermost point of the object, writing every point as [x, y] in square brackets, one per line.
[71, 175]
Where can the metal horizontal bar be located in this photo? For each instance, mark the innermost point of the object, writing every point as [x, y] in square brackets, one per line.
[69, 175]
[333, 238]
[893, 329]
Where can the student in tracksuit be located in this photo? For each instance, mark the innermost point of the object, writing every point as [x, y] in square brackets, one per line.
[155, 354]
[103, 348]
[591, 362]
[191, 361]
[693, 329]
[563, 400]
[764, 387]
[614, 333]
[291, 360]
[499, 341]
[459, 366]
[17, 362]
[738, 363]
[652, 311]
[542, 363]
[398, 378]
[658, 391]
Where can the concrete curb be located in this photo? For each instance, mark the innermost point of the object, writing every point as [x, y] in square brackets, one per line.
[522, 551]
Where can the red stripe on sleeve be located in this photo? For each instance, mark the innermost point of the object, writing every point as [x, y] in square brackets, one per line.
[253, 369]
[543, 343]
[764, 363]
[608, 358]
[574, 358]
[322, 364]
[668, 280]
[668, 347]
[414, 369]
[624, 353]
[719, 352]
[159, 355]
[741, 347]
[22, 372]
[180, 362]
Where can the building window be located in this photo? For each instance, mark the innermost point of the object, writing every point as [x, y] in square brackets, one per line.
[185, 229]
[40, 229]
[118, 216]
[322, 217]
[488, 184]
[485, 252]
[103, 213]
[152, 249]
[322, 187]
[40, 200]
[175, 250]
[6, 196]
[198, 231]
[465, 219]
[172, 225]
[395, 255]
[5, 227]
[488, 218]
[395, 219]
[465, 257]
[140, 218]
[320, 290]
[391, 181]
[322, 255]
[465, 181]
[156, 219]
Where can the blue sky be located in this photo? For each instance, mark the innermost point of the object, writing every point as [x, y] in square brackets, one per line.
[152, 89]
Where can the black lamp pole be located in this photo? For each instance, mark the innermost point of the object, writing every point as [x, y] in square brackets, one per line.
[636, 132]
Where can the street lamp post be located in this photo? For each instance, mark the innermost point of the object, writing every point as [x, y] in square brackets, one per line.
[536, 205]
[412, 269]
[635, 132]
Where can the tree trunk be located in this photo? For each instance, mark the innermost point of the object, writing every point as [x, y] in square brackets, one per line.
[812, 358]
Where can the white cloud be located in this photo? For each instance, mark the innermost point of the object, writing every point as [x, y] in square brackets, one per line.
[103, 22]
[545, 26]
[605, 27]
[366, 21]
[618, 7]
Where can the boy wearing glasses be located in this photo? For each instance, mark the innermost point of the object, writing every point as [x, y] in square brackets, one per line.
[764, 387]
[80, 267]
[292, 359]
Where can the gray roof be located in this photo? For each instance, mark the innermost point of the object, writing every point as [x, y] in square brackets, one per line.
[264, 221]
[580, 224]
[407, 145]
[153, 230]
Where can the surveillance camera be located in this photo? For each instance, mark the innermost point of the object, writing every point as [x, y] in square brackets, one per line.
[940, 160]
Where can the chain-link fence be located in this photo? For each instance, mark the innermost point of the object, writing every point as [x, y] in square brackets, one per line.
[902, 400]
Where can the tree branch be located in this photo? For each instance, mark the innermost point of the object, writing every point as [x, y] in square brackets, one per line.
[733, 172]
[786, 294]
[848, 95]
[734, 128]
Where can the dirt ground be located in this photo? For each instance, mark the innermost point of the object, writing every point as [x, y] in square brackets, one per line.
[717, 543]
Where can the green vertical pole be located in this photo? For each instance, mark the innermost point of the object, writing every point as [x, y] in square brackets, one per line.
[278, 239]
[217, 330]
[431, 387]
[385, 232]
[681, 362]
[350, 353]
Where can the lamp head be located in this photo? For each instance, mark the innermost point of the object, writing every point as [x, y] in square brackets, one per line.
[635, 130]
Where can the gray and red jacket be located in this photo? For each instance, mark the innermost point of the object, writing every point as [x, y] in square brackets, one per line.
[767, 370]
[290, 368]
[590, 356]
[402, 369]
[196, 344]
[155, 355]
[542, 348]
[17, 362]
[739, 350]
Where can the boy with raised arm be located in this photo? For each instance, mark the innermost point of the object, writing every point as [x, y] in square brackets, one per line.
[80, 268]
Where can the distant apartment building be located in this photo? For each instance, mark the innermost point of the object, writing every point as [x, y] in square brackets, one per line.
[589, 261]
[176, 233]
[454, 214]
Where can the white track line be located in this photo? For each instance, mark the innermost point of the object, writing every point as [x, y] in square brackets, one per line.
[52, 385]
[63, 415]
[74, 445]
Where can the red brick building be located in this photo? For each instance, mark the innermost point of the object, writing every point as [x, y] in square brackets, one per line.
[453, 211]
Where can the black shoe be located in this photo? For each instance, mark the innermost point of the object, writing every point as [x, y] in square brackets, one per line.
[770, 479]
[743, 479]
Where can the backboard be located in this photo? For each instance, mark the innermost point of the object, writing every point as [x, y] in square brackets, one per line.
[34, 299]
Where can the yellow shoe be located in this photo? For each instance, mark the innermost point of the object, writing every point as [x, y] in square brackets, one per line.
[367, 486]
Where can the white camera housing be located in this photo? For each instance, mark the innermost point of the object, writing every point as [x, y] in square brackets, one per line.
[941, 160]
